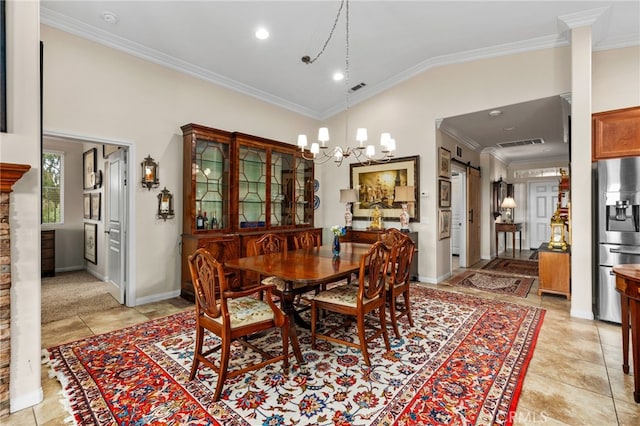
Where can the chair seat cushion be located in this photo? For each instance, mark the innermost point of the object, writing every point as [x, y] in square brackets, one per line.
[280, 284]
[245, 311]
[273, 281]
[345, 295]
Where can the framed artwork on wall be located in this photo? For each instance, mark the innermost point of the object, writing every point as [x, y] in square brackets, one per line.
[87, 206]
[444, 193]
[89, 163]
[96, 199]
[90, 242]
[444, 163]
[444, 224]
[376, 185]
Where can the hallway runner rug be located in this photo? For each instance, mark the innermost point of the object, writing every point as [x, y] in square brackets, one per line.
[493, 282]
[513, 266]
[463, 362]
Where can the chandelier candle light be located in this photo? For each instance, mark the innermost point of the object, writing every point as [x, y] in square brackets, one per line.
[404, 195]
[348, 196]
[365, 154]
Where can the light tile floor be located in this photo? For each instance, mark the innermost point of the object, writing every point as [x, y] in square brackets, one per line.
[574, 378]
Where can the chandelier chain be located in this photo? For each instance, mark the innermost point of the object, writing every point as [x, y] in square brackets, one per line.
[306, 59]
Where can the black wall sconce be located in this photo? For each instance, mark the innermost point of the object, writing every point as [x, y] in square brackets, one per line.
[149, 173]
[165, 205]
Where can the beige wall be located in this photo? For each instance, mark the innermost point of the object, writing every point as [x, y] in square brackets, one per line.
[22, 145]
[96, 92]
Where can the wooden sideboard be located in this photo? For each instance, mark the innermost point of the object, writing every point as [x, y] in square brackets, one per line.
[370, 236]
[554, 271]
[48, 253]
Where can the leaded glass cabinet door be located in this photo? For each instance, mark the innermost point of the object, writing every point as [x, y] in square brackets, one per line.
[282, 185]
[304, 186]
[211, 170]
[252, 187]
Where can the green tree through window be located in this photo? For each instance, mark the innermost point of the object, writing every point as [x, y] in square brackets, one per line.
[52, 194]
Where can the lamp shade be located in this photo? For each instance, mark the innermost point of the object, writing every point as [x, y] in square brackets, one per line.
[348, 196]
[405, 194]
[508, 203]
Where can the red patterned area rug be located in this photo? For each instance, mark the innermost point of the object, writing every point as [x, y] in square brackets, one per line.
[463, 362]
[493, 282]
[513, 266]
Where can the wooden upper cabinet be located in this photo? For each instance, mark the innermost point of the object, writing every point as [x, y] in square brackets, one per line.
[616, 134]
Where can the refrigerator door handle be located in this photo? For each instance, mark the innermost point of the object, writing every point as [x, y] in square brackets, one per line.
[625, 251]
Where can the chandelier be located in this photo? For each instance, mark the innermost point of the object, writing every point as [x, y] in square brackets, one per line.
[319, 151]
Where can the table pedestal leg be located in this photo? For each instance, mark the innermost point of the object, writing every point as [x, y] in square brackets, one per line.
[289, 310]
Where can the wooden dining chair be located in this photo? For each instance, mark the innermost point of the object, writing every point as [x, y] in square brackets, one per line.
[356, 300]
[399, 279]
[232, 316]
[305, 240]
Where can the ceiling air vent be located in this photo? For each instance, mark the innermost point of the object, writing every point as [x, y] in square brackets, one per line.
[357, 87]
[520, 143]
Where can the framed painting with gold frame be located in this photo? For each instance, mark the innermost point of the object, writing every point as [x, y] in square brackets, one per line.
[376, 188]
[444, 163]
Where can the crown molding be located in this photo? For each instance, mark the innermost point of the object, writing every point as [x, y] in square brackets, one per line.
[468, 142]
[80, 29]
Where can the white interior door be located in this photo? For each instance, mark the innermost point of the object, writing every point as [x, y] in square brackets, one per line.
[117, 224]
[458, 219]
[543, 198]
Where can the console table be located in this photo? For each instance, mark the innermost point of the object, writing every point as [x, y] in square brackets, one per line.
[370, 236]
[628, 285]
[506, 228]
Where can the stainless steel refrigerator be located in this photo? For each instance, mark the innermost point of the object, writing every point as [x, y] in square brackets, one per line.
[618, 228]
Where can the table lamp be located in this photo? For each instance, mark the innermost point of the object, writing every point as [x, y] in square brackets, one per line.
[508, 204]
[404, 195]
[348, 196]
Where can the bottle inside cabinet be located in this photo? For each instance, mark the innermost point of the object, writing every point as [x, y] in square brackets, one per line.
[281, 189]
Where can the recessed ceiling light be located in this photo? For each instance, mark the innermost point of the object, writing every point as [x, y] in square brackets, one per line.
[262, 34]
[338, 76]
[110, 18]
[495, 113]
[508, 129]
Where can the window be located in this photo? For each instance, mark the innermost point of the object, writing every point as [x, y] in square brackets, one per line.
[52, 187]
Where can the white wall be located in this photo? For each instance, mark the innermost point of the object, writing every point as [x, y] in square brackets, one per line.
[21, 145]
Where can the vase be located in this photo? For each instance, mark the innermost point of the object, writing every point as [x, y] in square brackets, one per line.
[335, 247]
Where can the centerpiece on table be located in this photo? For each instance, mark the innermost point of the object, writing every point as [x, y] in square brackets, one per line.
[338, 231]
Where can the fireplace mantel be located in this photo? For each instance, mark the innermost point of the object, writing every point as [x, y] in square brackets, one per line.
[10, 173]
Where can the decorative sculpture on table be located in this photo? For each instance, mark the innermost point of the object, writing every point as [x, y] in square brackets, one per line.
[376, 219]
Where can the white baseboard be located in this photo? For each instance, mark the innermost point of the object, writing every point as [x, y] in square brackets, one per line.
[427, 280]
[157, 297]
[25, 401]
[70, 268]
[588, 315]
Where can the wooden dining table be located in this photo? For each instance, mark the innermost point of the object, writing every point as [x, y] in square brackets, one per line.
[310, 267]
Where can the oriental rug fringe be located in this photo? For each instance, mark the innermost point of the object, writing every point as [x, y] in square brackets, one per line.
[463, 362]
[493, 282]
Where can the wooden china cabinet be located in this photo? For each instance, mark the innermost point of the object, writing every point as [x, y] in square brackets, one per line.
[244, 186]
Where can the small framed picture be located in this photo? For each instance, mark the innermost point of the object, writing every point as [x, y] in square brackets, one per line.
[96, 198]
[89, 163]
[90, 242]
[87, 206]
[444, 192]
[444, 224]
[444, 163]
